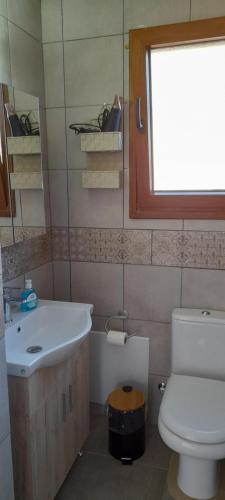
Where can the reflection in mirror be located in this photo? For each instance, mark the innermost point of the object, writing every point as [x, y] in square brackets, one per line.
[22, 213]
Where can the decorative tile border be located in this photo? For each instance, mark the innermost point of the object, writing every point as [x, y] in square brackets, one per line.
[110, 245]
[26, 233]
[196, 249]
[192, 249]
[25, 256]
[6, 236]
[60, 243]
[199, 249]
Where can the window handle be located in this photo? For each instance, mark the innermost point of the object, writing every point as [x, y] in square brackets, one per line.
[63, 407]
[71, 398]
[139, 123]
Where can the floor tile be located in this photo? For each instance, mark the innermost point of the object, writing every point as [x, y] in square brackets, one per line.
[98, 437]
[98, 476]
[156, 454]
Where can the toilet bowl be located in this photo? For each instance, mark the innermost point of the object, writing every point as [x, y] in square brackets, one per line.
[198, 438]
[192, 413]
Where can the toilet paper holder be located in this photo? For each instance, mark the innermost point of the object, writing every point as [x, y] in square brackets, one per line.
[121, 315]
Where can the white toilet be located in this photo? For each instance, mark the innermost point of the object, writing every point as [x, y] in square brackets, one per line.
[192, 413]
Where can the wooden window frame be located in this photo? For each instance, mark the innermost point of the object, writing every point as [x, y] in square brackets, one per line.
[144, 203]
[7, 208]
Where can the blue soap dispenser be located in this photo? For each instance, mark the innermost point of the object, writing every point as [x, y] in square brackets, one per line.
[29, 298]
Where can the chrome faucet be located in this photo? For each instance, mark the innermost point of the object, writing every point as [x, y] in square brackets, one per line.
[9, 299]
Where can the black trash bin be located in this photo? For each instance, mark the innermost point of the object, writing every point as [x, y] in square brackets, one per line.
[126, 419]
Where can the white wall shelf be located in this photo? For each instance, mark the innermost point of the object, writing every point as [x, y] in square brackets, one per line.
[25, 145]
[93, 179]
[101, 141]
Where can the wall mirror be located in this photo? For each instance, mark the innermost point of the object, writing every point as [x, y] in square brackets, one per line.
[22, 211]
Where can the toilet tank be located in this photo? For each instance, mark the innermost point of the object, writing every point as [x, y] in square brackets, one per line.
[198, 343]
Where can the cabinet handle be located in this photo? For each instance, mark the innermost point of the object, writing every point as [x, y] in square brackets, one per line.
[71, 398]
[63, 407]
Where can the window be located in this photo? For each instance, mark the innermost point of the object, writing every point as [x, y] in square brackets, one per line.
[177, 121]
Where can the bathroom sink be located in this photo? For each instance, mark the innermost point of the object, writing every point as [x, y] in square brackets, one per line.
[45, 336]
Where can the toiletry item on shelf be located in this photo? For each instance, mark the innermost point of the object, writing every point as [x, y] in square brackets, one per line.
[84, 128]
[30, 124]
[29, 297]
[14, 122]
[114, 119]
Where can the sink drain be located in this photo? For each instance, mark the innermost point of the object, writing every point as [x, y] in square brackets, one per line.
[34, 348]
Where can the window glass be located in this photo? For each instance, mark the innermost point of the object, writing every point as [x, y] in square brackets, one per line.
[188, 117]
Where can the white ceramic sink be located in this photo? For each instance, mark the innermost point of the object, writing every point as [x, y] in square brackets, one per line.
[57, 327]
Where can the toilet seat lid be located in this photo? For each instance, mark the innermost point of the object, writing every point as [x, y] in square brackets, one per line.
[194, 408]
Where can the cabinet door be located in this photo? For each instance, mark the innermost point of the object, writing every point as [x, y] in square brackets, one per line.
[82, 394]
[54, 452]
[60, 425]
[68, 399]
[38, 455]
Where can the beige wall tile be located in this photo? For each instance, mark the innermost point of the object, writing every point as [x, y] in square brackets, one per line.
[26, 62]
[86, 19]
[54, 76]
[155, 396]
[58, 197]
[98, 284]
[203, 288]
[51, 20]
[204, 225]
[17, 220]
[32, 207]
[43, 135]
[98, 324]
[160, 337]
[42, 281]
[154, 12]
[5, 73]
[46, 198]
[56, 137]
[151, 293]
[3, 8]
[145, 223]
[201, 9]
[27, 15]
[93, 70]
[61, 274]
[93, 207]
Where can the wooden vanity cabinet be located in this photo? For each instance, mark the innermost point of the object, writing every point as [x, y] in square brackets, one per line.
[50, 423]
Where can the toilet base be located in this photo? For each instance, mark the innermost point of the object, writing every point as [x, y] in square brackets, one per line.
[177, 494]
[197, 478]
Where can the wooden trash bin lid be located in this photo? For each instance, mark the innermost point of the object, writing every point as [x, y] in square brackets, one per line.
[126, 399]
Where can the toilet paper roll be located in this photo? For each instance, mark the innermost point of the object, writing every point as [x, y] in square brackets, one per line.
[116, 338]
